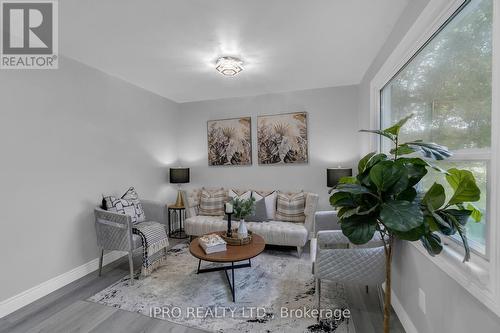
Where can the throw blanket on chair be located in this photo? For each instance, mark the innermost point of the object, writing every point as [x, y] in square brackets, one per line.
[154, 244]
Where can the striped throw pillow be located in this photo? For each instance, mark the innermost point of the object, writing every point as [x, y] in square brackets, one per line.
[290, 207]
[212, 202]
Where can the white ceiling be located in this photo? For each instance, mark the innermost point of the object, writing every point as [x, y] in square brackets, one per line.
[170, 46]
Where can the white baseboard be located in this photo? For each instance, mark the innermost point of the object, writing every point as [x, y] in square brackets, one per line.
[28, 296]
[403, 316]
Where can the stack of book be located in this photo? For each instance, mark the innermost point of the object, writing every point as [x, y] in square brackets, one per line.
[212, 243]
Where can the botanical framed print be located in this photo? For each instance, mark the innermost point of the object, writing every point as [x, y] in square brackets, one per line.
[282, 138]
[229, 141]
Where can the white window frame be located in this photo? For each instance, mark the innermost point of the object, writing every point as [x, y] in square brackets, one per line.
[479, 276]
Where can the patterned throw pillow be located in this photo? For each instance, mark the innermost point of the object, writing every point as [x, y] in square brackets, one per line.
[240, 194]
[212, 202]
[290, 207]
[132, 196]
[121, 206]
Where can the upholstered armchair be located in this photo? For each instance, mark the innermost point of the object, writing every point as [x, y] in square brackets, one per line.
[114, 231]
[341, 261]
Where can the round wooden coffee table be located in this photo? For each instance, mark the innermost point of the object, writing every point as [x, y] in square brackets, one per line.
[232, 255]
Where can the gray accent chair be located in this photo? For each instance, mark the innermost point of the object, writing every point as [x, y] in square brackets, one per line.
[114, 231]
[338, 260]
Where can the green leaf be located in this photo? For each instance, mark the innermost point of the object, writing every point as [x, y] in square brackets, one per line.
[394, 129]
[455, 177]
[463, 235]
[369, 161]
[432, 243]
[366, 210]
[409, 194]
[437, 168]
[402, 149]
[386, 174]
[348, 180]
[429, 150]
[342, 199]
[461, 216]
[345, 212]
[402, 183]
[410, 235]
[364, 161]
[464, 184]
[415, 167]
[354, 189]
[458, 219]
[401, 216]
[382, 133]
[476, 214]
[444, 222]
[431, 223]
[435, 197]
[359, 229]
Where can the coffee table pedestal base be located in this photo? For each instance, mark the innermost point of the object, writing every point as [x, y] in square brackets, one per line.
[226, 268]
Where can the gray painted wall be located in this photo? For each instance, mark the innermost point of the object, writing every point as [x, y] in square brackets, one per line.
[332, 132]
[450, 308]
[66, 136]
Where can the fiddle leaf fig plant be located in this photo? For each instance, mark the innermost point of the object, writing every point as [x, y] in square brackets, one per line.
[385, 199]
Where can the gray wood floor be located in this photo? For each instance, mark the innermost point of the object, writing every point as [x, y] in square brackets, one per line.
[66, 310]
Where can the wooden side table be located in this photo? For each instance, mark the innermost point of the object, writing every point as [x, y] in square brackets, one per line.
[176, 217]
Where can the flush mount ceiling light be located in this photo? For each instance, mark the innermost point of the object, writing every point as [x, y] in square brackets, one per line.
[229, 66]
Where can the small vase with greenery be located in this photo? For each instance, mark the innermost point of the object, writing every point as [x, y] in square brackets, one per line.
[385, 198]
[243, 208]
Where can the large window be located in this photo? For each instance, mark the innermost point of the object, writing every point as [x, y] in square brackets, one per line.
[447, 84]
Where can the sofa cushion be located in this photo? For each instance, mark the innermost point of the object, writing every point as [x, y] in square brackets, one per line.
[240, 194]
[199, 225]
[193, 201]
[280, 233]
[132, 196]
[270, 200]
[212, 202]
[259, 213]
[290, 207]
[273, 232]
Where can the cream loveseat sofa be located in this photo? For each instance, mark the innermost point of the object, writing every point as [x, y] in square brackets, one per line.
[274, 232]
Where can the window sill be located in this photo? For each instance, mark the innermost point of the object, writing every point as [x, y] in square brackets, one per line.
[474, 276]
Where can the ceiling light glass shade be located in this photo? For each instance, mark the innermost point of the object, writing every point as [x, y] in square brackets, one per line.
[229, 66]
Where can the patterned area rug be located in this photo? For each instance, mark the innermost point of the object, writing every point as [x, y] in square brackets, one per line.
[276, 294]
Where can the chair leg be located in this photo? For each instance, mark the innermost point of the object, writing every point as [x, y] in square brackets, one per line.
[100, 261]
[366, 289]
[318, 296]
[380, 298]
[299, 251]
[131, 264]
